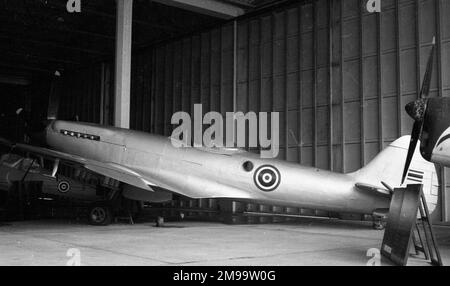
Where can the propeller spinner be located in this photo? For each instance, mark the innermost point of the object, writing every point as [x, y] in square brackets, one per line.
[417, 110]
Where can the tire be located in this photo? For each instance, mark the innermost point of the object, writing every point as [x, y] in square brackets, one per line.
[100, 215]
[378, 226]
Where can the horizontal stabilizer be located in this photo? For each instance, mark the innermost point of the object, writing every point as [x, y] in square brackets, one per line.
[381, 213]
[373, 189]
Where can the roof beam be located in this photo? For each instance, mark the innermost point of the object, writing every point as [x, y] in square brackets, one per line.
[212, 8]
[123, 63]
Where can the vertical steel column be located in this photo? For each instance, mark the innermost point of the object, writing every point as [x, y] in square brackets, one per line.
[286, 106]
[341, 43]
[398, 74]
[299, 103]
[248, 67]
[314, 51]
[380, 91]
[330, 83]
[444, 170]
[361, 87]
[123, 63]
[212, 203]
[235, 31]
[200, 71]
[235, 205]
[272, 58]
[418, 45]
[438, 24]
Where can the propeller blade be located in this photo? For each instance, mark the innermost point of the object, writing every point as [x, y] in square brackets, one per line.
[427, 78]
[417, 110]
[417, 129]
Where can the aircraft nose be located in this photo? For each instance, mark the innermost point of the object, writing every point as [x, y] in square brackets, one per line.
[416, 109]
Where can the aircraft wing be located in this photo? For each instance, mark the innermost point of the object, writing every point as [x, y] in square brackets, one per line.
[108, 169]
[142, 179]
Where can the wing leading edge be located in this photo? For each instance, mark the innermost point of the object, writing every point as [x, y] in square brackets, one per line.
[190, 186]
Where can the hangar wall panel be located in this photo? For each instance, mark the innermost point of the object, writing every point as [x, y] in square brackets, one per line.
[338, 75]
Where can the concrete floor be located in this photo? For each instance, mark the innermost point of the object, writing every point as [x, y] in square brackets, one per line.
[303, 242]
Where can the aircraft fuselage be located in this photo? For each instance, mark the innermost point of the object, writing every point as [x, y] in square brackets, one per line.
[202, 172]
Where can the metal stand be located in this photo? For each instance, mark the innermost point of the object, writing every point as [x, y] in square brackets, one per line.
[403, 227]
[428, 246]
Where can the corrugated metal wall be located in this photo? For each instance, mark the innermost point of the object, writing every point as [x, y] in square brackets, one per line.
[338, 75]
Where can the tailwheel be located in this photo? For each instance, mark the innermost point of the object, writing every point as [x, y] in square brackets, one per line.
[379, 218]
[159, 221]
[100, 215]
[379, 224]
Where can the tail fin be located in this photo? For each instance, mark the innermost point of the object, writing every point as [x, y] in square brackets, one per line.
[387, 167]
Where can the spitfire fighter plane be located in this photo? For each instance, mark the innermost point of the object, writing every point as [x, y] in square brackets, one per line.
[152, 169]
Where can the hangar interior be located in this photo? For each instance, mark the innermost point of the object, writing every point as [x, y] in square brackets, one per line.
[338, 75]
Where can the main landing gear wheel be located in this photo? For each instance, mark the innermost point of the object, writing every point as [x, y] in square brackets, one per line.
[100, 215]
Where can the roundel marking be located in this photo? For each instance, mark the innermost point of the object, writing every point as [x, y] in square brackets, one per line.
[267, 178]
[63, 186]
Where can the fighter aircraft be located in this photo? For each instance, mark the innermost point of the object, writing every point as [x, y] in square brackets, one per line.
[152, 169]
[431, 123]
